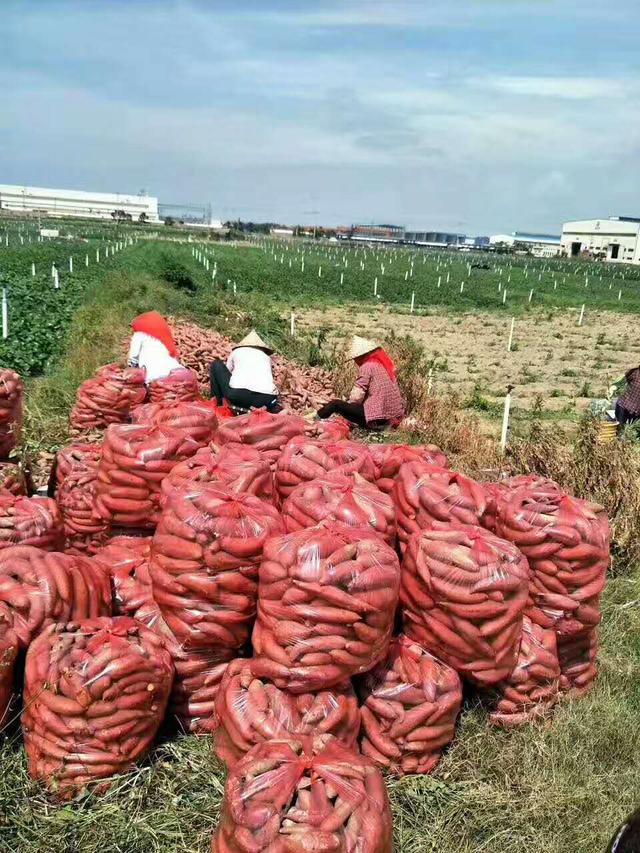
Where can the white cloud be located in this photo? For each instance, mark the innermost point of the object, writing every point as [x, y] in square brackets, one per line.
[571, 88]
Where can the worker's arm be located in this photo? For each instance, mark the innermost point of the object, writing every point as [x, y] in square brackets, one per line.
[359, 390]
[134, 349]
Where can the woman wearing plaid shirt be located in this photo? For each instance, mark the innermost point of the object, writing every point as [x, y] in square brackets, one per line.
[628, 406]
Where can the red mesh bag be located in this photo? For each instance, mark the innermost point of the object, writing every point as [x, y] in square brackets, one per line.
[240, 469]
[463, 594]
[566, 542]
[196, 421]
[77, 455]
[533, 483]
[135, 460]
[204, 564]
[198, 675]
[249, 710]
[95, 694]
[180, 386]
[304, 459]
[84, 530]
[410, 703]
[108, 397]
[532, 688]
[346, 498]
[41, 587]
[389, 457]
[266, 432]
[30, 521]
[125, 560]
[8, 654]
[11, 397]
[12, 479]
[578, 662]
[302, 795]
[326, 604]
[427, 496]
[334, 428]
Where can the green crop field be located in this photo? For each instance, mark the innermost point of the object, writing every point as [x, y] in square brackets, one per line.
[559, 785]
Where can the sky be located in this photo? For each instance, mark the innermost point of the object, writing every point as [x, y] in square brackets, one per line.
[472, 116]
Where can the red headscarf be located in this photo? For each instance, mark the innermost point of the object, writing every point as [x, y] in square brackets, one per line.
[380, 357]
[152, 323]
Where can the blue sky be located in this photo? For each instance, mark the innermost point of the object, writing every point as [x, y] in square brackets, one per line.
[464, 115]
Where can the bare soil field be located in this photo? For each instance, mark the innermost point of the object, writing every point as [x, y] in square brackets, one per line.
[553, 360]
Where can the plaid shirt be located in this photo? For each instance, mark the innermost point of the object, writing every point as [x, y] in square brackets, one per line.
[630, 400]
[382, 398]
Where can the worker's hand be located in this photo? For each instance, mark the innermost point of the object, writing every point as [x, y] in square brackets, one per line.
[611, 390]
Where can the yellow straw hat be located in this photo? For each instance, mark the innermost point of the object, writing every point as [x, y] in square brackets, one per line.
[361, 346]
[253, 339]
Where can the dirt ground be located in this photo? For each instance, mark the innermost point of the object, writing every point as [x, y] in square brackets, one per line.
[552, 357]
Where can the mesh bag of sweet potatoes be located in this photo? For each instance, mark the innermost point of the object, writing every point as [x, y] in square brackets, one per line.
[8, 655]
[250, 709]
[304, 794]
[137, 457]
[30, 521]
[40, 587]
[107, 398]
[11, 397]
[389, 457]
[267, 432]
[180, 386]
[304, 459]
[566, 541]
[95, 693]
[326, 604]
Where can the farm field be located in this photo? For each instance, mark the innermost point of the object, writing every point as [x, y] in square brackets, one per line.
[558, 785]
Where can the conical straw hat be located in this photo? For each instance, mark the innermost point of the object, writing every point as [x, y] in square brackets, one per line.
[361, 346]
[253, 339]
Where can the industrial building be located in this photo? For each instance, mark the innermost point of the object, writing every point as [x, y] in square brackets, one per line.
[77, 203]
[435, 239]
[616, 239]
[371, 233]
[539, 245]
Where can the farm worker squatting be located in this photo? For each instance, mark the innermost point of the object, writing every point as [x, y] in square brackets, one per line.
[152, 347]
[246, 380]
[375, 400]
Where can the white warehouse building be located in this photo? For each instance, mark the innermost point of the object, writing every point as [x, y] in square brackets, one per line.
[539, 245]
[50, 202]
[616, 239]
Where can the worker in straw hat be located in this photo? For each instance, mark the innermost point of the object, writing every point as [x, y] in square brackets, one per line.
[246, 380]
[375, 400]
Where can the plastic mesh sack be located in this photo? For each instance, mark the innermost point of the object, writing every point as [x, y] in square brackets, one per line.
[85, 531]
[11, 398]
[135, 460]
[389, 457]
[198, 675]
[534, 484]
[304, 459]
[195, 420]
[8, 654]
[578, 657]
[12, 479]
[326, 603]
[428, 496]
[249, 710]
[180, 386]
[204, 564]
[125, 560]
[463, 594]
[95, 695]
[267, 432]
[566, 541]
[531, 690]
[345, 498]
[80, 455]
[240, 469]
[30, 521]
[410, 703]
[108, 397]
[40, 587]
[304, 795]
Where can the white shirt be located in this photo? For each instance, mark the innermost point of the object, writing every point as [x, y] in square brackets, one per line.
[251, 369]
[152, 356]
